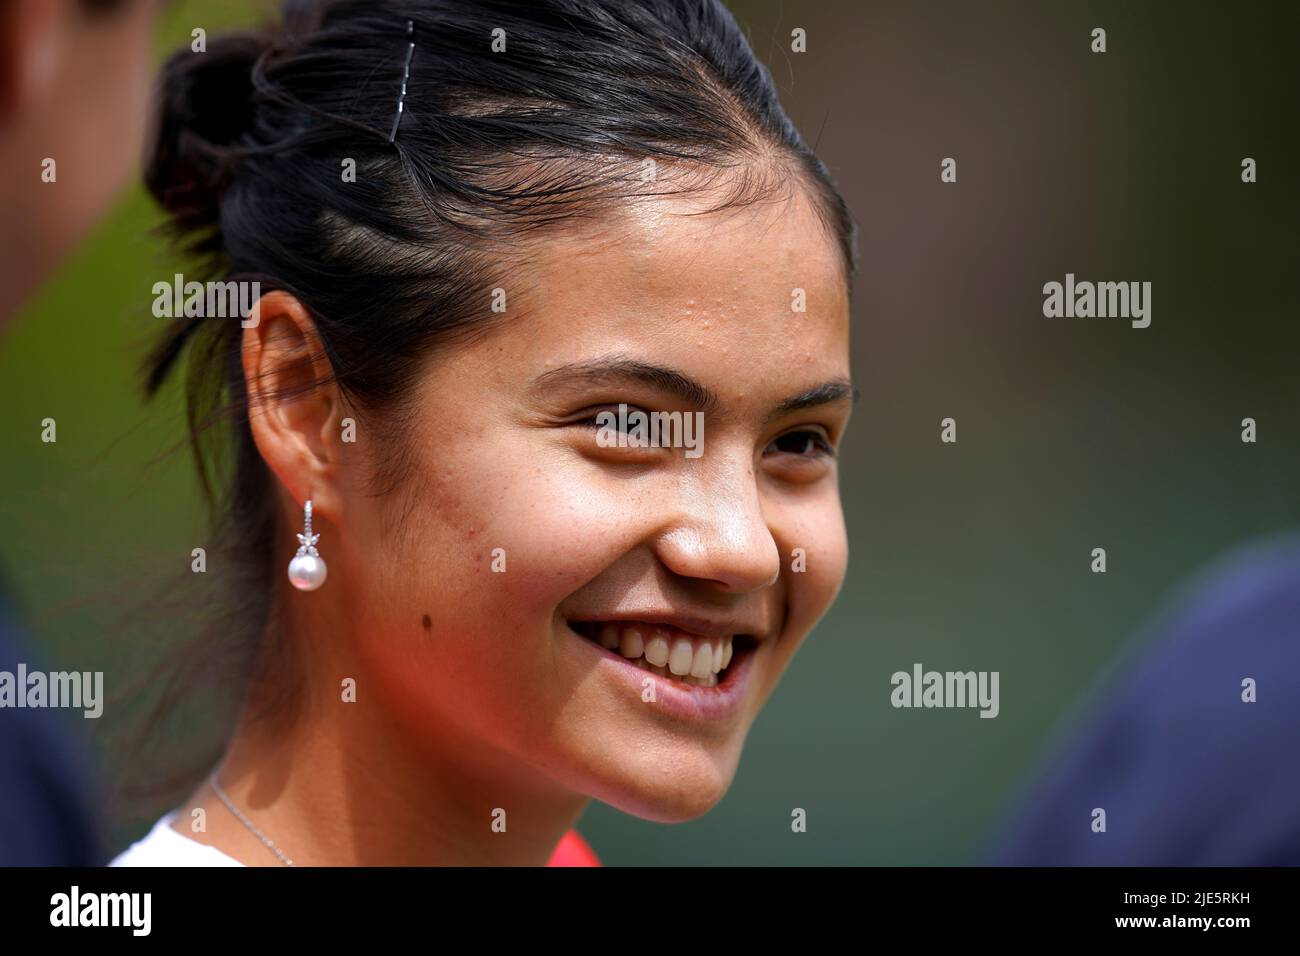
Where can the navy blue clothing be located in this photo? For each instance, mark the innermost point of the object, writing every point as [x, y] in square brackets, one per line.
[1188, 773]
[47, 805]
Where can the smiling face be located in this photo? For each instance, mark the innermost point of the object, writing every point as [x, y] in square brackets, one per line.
[589, 647]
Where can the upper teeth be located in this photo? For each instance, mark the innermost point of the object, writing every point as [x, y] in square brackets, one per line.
[657, 650]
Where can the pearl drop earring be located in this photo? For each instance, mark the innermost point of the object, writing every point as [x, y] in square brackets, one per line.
[307, 569]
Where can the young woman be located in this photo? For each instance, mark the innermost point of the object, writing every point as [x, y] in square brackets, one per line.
[493, 241]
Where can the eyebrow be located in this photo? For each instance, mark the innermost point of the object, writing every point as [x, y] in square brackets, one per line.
[617, 369]
[828, 393]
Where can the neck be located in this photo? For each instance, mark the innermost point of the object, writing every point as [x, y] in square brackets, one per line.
[356, 784]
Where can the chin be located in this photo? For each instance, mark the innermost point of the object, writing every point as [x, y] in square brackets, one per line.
[669, 787]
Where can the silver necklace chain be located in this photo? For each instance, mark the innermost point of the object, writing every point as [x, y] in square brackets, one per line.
[247, 822]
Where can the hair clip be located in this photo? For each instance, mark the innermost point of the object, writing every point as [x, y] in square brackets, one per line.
[406, 73]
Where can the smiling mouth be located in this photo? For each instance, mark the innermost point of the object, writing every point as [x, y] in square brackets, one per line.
[667, 651]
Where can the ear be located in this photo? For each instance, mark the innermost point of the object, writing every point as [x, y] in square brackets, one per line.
[31, 45]
[295, 409]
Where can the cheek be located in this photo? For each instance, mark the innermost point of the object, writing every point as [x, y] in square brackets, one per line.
[486, 547]
[496, 533]
[817, 530]
[523, 539]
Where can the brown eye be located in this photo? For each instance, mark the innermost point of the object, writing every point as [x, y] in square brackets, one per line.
[594, 422]
[805, 443]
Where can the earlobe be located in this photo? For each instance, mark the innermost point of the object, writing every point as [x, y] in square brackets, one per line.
[293, 402]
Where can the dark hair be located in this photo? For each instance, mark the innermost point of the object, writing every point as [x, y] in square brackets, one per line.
[492, 149]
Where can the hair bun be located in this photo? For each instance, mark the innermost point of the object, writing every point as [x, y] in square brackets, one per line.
[204, 110]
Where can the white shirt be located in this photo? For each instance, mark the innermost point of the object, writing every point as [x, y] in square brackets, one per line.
[163, 846]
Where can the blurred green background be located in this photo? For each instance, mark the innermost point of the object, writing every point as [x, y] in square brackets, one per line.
[1073, 433]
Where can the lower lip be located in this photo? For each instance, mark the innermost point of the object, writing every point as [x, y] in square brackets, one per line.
[682, 700]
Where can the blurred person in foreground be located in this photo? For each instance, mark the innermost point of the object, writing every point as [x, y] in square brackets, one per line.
[74, 84]
[1191, 749]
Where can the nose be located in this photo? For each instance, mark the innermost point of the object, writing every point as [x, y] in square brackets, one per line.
[722, 535]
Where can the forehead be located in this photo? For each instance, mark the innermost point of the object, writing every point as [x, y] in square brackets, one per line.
[676, 248]
[663, 280]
